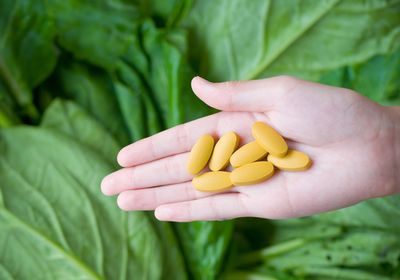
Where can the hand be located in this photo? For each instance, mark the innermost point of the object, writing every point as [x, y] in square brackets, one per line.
[350, 140]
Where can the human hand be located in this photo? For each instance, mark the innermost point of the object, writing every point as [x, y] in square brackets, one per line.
[350, 139]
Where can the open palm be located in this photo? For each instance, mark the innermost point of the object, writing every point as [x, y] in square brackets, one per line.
[346, 136]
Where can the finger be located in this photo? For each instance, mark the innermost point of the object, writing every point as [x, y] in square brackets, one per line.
[151, 198]
[170, 170]
[217, 207]
[255, 95]
[181, 138]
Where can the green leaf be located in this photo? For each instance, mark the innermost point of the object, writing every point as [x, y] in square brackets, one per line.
[204, 246]
[364, 248]
[27, 53]
[67, 117]
[381, 213]
[246, 40]
[55, 219]
[99, 32]
[167, 75]
[131, 106]
[165, 13]
[93, 90]
[377, 78]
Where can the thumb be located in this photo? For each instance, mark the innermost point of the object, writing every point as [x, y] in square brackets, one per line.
[253, 95]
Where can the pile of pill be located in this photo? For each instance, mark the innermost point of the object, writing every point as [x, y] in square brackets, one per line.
[252, 163]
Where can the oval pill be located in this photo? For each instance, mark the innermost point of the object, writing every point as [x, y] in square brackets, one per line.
[293, 161]
[247, 153]
[213, 181]
[269, 139]
[223, 150]
[252, 173]
[200, 154]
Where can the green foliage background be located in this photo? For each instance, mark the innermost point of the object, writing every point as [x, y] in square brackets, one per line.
[81, 78]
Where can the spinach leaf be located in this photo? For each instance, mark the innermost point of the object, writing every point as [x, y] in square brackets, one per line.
[68, 118]
[27, 53]
[381, 213]
[93, 89]
[204, 246]
[98, 32]
[71, 119]
[246, 40]
[377, 78]
[56, 220]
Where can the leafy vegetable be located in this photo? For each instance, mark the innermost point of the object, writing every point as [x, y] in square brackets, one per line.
[97, 75]
[26, 34]
[302, 38]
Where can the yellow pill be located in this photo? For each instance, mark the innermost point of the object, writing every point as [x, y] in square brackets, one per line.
[247, 154]
[252, 173]
[223, 150]
[200, 154]
[269, 139]
[293, 161]
[213, 181]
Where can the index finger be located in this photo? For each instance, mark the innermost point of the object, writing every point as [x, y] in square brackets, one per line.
[181, 138]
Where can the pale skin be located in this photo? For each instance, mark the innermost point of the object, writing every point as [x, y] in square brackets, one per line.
[353, 142]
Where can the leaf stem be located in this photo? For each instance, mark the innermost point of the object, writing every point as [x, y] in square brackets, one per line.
[270, 252]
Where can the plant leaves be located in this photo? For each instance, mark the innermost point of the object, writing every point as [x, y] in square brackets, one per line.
[377, 78]
[67, 229]
[93, 90]
[27, 53]
[67, 117]
[204, 246]
[246, 40]
[380, 213]
[108, 28]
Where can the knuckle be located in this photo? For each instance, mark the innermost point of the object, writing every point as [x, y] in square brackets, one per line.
[284, 84]
[214, 209]
[230, 86]
[173, 168]
[182, 136]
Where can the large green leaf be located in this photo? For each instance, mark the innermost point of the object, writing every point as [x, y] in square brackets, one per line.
[69, 118]
[56, 220]
[250, 39]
